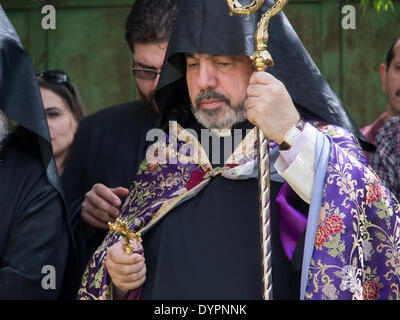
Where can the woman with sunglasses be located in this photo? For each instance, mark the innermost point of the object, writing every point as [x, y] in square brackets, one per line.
[64, 110]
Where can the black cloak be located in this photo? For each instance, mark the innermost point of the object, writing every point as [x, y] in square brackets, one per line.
[208, 247]
[34, 228]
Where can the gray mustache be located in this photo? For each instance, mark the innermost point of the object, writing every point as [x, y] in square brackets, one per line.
[210, 94]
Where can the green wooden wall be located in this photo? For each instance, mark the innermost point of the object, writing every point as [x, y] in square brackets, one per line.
[88, 43]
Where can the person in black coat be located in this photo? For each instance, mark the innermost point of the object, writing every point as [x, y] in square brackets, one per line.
[35, 237]
[109, 145]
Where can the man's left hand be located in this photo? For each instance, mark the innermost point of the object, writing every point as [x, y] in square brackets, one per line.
[269, 106]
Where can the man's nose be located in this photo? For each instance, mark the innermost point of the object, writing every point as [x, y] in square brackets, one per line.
[207, 76]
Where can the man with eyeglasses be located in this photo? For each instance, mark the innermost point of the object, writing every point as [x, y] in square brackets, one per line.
[109, 145]
[147, 63]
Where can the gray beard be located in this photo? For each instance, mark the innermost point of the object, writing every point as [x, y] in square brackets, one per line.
[5, 128]
[230, 118]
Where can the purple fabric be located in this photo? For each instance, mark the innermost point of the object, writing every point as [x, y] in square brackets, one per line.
[292, 222]
[355, 253]
[356, 246]
[134, 294]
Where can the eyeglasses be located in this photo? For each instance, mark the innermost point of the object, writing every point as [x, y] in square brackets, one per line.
[145, 73]
[56, 77]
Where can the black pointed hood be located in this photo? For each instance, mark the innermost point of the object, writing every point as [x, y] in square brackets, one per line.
[205, 26]
[20, 97]
[21, 101]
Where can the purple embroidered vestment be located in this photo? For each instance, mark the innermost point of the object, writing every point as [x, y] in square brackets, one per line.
[356, 251]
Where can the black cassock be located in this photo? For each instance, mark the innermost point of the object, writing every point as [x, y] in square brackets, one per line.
[33, 232]
[108, 149]
[35, 236]
[209, 246]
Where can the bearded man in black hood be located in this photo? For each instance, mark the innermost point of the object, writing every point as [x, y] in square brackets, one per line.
[198, 212]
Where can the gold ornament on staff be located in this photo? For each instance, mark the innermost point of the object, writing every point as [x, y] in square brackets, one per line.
[262, 60]
[122, 229]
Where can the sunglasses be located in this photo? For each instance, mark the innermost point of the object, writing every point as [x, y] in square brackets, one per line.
[145, 73]
[56, 77]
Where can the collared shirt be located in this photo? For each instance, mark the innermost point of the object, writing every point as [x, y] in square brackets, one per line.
[371, 130]
[386, 159]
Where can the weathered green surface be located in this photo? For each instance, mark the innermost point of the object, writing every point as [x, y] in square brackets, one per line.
[363, 50]
[89, 44]
[349, 59]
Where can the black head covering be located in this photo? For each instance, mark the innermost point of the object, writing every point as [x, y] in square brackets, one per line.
[20, 97]
[21, 101]
[205, 26]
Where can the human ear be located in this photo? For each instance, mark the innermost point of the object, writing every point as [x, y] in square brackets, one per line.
[382, 71]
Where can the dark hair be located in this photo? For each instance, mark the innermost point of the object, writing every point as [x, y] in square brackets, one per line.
[150, 21]
[390, 54]
[70, 97]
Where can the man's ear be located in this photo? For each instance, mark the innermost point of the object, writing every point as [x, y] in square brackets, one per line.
[382, 71]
